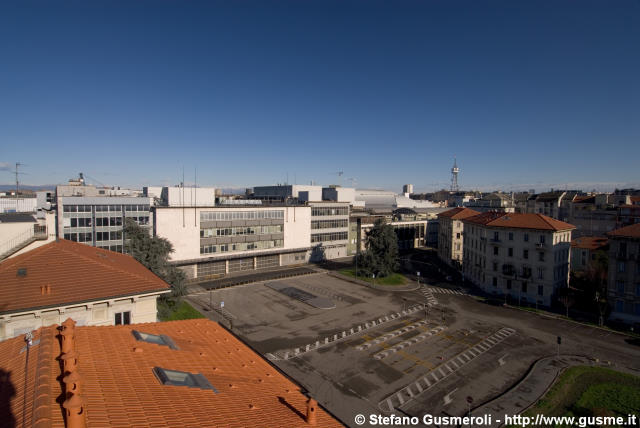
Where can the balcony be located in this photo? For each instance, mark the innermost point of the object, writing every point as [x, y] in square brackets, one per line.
[541, 246]
[495, 240]
[508, 270]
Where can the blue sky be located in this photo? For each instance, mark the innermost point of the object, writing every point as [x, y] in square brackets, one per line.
[526, 94]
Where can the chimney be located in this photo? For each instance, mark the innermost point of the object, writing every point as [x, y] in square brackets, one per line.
[70, 362]
[74, 410]
[72, 383]
[312, 407]
[67, 336]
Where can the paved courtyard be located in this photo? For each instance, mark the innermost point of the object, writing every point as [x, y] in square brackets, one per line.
[414, 352]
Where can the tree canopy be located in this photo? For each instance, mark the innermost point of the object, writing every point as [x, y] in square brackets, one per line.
[153, 252]
[381, 254]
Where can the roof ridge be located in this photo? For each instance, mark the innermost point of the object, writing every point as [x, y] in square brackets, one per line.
[108, 265]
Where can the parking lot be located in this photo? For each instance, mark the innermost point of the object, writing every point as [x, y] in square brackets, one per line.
[383, 351]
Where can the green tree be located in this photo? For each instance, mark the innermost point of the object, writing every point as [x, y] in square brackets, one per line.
[381, 254]
[153, 252]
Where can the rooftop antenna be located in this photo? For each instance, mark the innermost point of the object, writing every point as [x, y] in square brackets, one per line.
[454, 176]
[18, 164]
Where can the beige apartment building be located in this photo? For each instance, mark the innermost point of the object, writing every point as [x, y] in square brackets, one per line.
[450, 234]
[65, 279]
[524, 257]
[624, 274]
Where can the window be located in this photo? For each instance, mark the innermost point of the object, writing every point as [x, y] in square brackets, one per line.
[508, 284]
[510, 252]
[524, 287]
[495, 266]
[540, 290]
[620, 287]
[540, 273]
[495, 251]
[496, 236]
[619, 306]
[525, 254]
[123, 318]
[542, 238]
[526, 237]
[540, 256]
[458, 235]
[178, 378]
[621, 266]
[510, 236]
[153, 338]
[495, 281]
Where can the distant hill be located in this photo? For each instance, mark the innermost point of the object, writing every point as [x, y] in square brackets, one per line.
[5, 187]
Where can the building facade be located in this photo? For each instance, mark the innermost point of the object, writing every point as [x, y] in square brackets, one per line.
[215, 241]
[329, 230]
[450, 235]
[584, 250]
[524, 257]
[624, 274]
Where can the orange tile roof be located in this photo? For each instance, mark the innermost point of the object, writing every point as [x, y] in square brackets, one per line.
[589, 242]
[119, 387]
[519, 221]
[459, 213]
[631, 231]
[74, 273]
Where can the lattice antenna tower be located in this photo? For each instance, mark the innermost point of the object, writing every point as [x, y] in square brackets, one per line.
[454, 176]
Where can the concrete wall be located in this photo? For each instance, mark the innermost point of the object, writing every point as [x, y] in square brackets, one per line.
[189, 197]
[143, 309]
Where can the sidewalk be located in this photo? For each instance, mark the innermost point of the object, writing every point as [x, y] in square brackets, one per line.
[529, 390]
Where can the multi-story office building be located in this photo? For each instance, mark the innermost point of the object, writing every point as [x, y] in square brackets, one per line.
[523, 256]
[624, 274]
[329, 230]
[410, 233]
[214, 241]
[84, 214]
[450, 231]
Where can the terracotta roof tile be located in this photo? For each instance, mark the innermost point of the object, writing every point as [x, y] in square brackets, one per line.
[631, 231]
[74, 273]
[120, 389]
[589, 242]
[519, 221]
[459, 213]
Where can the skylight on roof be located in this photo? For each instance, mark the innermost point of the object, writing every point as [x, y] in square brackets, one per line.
[154, 338]
[178, 378]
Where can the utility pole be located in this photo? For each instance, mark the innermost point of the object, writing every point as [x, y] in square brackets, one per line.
[18, 164]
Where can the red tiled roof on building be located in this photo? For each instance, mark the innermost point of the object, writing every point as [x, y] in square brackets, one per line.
[631, 231]
[519, 221]
[64, 272]
[119, 385]
[459, 213]
[589, 242]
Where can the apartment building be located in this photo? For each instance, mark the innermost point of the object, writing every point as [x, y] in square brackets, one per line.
[521, 256]
[66, 279]
[450, 232]
[218, 240]
[584, 250]
[624, 274]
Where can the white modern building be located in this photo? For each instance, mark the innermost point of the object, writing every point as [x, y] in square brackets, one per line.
[215, 241]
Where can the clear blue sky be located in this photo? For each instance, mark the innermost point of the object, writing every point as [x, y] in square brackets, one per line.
[524, 93]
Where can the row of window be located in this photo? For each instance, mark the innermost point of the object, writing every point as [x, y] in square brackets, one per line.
[241, 215]
[329, 224]
[241, 246]
[630, 308]
[103, 208]
[620, 288]
[115, 248]
[109, 236]
[523, 286]
[79, 237]
[213, 232]
[326, 237]
[324, 211]
[526, 271]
